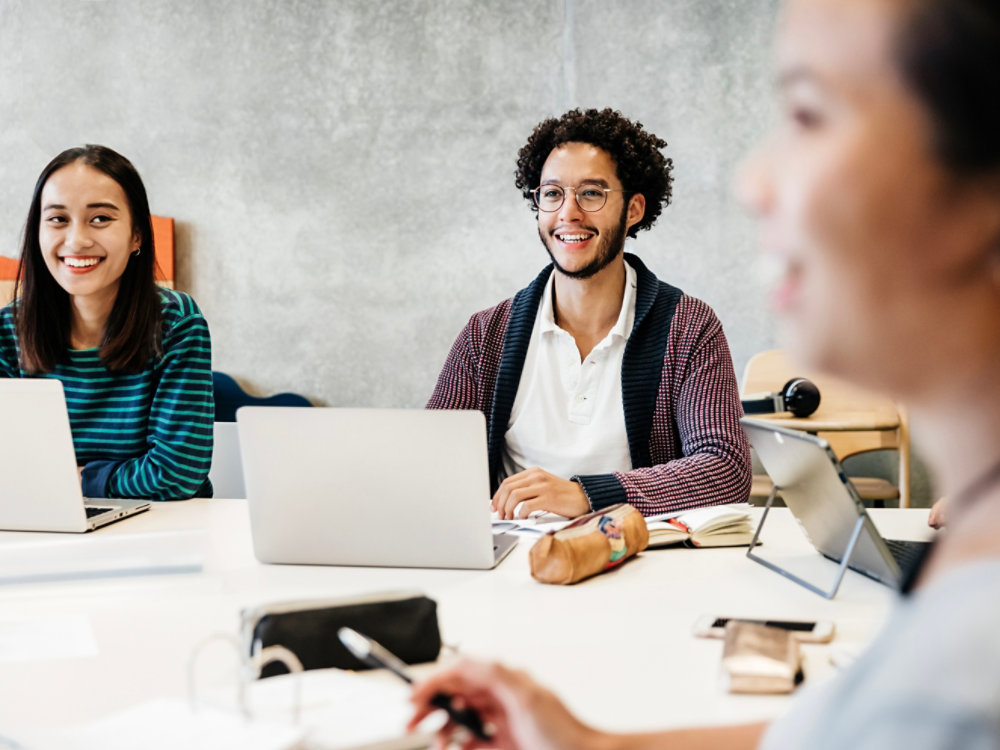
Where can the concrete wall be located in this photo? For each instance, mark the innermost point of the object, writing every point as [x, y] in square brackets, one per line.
[341, 171]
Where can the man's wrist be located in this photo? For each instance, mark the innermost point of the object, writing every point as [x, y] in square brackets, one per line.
[602, 490]
[576, 481]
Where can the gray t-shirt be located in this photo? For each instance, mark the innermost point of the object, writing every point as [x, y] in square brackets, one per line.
[931, 679]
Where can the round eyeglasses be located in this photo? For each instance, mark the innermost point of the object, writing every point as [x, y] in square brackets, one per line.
[589, 197]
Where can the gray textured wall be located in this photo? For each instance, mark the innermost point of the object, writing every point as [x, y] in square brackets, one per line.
[341, 172]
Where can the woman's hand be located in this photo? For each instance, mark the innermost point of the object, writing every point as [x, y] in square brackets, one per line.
[938, 513]
[519, 712]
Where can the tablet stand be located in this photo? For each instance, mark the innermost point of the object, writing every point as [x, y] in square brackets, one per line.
[842, 568]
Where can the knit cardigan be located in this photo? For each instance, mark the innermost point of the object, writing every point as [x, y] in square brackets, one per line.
[679, 395]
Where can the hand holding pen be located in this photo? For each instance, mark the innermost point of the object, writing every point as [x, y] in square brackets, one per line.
[521, 713]
[375, 655]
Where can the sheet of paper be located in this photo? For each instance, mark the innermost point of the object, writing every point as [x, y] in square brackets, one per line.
[76, 556]
[48, 637]
[343, 709]
[170, 725]
[324, 709]
[538, 522]
[698, 514]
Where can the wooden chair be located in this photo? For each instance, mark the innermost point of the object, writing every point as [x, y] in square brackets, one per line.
[852, 420]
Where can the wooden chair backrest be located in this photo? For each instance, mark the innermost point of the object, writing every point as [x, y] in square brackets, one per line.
[851, 419]
[841, 406]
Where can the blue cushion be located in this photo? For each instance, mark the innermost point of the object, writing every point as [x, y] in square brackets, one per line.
[229, 397]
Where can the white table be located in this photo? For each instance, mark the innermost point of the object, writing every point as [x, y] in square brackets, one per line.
[618, 647]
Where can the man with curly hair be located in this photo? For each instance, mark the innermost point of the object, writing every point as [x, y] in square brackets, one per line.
[600, 383]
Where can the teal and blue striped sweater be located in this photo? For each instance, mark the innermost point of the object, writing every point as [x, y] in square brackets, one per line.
[147, 435]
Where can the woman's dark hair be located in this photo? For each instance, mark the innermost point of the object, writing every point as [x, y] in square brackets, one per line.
[949, 55]
[639, 164]
[42, 316]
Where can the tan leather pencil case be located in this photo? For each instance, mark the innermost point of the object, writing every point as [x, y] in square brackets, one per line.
[590, 545]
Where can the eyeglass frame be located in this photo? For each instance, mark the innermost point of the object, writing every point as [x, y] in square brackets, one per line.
[564, 188]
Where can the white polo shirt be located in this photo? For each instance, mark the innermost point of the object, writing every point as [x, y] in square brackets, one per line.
[568, 416]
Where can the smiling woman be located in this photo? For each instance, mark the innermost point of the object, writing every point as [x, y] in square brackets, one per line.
[134, 359]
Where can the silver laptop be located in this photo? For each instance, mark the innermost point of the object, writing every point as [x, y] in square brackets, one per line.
[384, 487]
[39, 479]
[816, 490]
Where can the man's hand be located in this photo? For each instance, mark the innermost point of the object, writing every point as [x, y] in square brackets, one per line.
[521, 713]
[539, 490]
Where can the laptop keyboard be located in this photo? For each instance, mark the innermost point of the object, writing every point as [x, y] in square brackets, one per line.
[95, 510]
[906, 553]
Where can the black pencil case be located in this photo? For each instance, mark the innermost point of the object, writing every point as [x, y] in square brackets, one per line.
[405, 623]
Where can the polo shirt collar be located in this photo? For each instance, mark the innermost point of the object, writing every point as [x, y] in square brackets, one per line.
[621, 328]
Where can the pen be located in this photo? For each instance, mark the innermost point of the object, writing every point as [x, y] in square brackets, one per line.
[376, 655]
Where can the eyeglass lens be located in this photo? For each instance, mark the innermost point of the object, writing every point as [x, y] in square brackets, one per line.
[588, 197]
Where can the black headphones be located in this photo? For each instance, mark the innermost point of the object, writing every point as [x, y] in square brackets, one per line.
[798, 395]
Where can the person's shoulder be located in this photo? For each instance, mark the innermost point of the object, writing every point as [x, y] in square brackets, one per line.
[695, 310]
[8, 339]
[938, 657]
[488, 324]
[177, 306]
[182, 319]
[952, 623]
[7, 317]
[974, 585]
[688, 315]
[8, 333]
[695, 325]
[501, 310]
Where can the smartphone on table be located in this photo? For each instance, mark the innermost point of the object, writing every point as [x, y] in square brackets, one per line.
[807, 631]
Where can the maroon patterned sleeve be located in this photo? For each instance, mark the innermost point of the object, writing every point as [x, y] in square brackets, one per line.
[699, 452]
[469, 374]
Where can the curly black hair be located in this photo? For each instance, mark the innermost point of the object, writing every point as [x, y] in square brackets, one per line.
[639, 163]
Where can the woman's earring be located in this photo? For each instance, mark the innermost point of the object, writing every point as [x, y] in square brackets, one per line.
[135, 253]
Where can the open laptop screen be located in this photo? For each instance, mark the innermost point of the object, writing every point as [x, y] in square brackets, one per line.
[816, 490]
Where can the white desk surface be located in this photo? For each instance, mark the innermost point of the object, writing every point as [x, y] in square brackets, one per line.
[618, 648]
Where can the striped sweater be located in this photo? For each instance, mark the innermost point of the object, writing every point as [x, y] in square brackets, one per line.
[147, 435]
[679, 394]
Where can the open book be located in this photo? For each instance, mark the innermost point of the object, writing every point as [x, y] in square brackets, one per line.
[716, 526]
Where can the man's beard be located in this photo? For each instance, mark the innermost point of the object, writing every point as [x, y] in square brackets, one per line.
[608, 249]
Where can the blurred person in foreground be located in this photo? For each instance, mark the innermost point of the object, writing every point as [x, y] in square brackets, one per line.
[879, 195]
